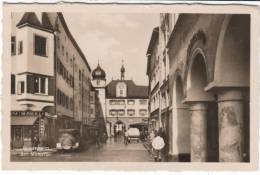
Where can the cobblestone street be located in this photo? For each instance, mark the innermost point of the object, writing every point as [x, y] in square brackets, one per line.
[113, 151]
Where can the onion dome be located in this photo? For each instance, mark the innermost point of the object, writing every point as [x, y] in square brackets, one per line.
[98, 73]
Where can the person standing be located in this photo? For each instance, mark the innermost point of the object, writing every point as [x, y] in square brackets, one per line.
[126, 140]
[35, 143]
[97, 138]
[158, 144]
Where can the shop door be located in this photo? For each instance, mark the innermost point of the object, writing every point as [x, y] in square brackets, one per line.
[18, 137]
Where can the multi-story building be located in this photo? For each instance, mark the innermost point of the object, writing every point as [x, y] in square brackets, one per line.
[124, 102]
[50, 81]
[208, 86]
[153, 72]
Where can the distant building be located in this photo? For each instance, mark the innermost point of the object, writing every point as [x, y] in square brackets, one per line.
[50, 80]
[124, 102]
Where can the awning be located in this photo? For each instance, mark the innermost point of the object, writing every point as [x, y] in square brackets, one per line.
[25, 121]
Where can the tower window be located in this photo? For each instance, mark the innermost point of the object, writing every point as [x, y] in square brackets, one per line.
[12, 84]
[40, 45]
[20, 87]
[13, 45]
[20, 47]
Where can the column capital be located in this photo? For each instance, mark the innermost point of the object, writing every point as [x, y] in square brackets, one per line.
[230, 95]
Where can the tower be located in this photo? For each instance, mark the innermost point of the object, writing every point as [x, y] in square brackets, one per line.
[99, 83]
[122, 71]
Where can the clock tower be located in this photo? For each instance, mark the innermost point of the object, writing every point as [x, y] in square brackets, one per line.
[99, 83]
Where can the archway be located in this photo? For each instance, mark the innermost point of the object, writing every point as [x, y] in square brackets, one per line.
[231, 82]
[180, 121]
[199, 104]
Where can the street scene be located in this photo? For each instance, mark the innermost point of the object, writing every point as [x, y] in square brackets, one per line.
[125, 87]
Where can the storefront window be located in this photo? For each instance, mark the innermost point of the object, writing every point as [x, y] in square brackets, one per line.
[27, 133]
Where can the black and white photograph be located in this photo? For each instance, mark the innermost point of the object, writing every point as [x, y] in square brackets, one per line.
[153, 87]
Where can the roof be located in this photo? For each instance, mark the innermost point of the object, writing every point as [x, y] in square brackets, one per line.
[133, 90]
[72, 39]
[98, 73]
[25, 121]
[30, 18]
[154, 38]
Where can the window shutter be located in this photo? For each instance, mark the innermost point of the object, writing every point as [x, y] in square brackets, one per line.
[30, 84]
[51, 87]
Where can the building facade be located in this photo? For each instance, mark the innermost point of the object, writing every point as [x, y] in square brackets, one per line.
[124, 102]
[208, 87]
[50, 80]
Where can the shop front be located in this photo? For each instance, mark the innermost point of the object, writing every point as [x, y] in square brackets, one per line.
[23, 130]
[25, 125]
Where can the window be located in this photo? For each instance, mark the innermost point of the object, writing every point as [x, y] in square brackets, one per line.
[71, 63]
[143, 102]
[121, 102]
[43, 85]
[62, 49]
[20, 89]
[91, 110]
[58, 96]
[20, 47]
[121, 112]
[13, 45]
[12, 84]
[130, 102]
[112, 112]
[40, 45]
[67, 57]
[79, 74]
[112, 102]
[143, 111]
[98, 82]
[131, 112]
[71, 104]
[40, 85]
[121, 91]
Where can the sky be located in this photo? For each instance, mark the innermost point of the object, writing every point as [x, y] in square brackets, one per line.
[112, 39]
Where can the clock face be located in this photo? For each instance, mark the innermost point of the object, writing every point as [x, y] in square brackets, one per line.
[121, 85]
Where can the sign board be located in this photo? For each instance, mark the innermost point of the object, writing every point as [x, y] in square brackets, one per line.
[27, 113]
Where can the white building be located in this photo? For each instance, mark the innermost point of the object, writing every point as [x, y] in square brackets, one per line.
[125, 104]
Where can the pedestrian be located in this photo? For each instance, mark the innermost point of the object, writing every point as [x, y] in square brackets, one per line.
[97, 138]
[158, 144]
[126, 139]
[105, 137]
[35, 143]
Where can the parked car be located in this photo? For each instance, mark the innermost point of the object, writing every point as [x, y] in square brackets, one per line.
[133, 134]
[68, 139]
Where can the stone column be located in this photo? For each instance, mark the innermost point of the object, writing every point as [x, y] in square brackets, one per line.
[231, 139]
[198, 138]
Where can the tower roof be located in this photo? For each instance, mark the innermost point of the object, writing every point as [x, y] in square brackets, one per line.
[31, 19]
[98, 73]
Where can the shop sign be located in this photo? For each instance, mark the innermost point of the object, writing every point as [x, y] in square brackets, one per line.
[27, 113]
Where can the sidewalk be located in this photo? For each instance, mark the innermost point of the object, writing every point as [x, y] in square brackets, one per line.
[148, 147]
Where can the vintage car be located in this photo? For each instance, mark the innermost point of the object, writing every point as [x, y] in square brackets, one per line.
[68, 139]
[133, 134]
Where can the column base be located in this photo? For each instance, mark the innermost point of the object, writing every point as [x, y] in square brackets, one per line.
[183, 157]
